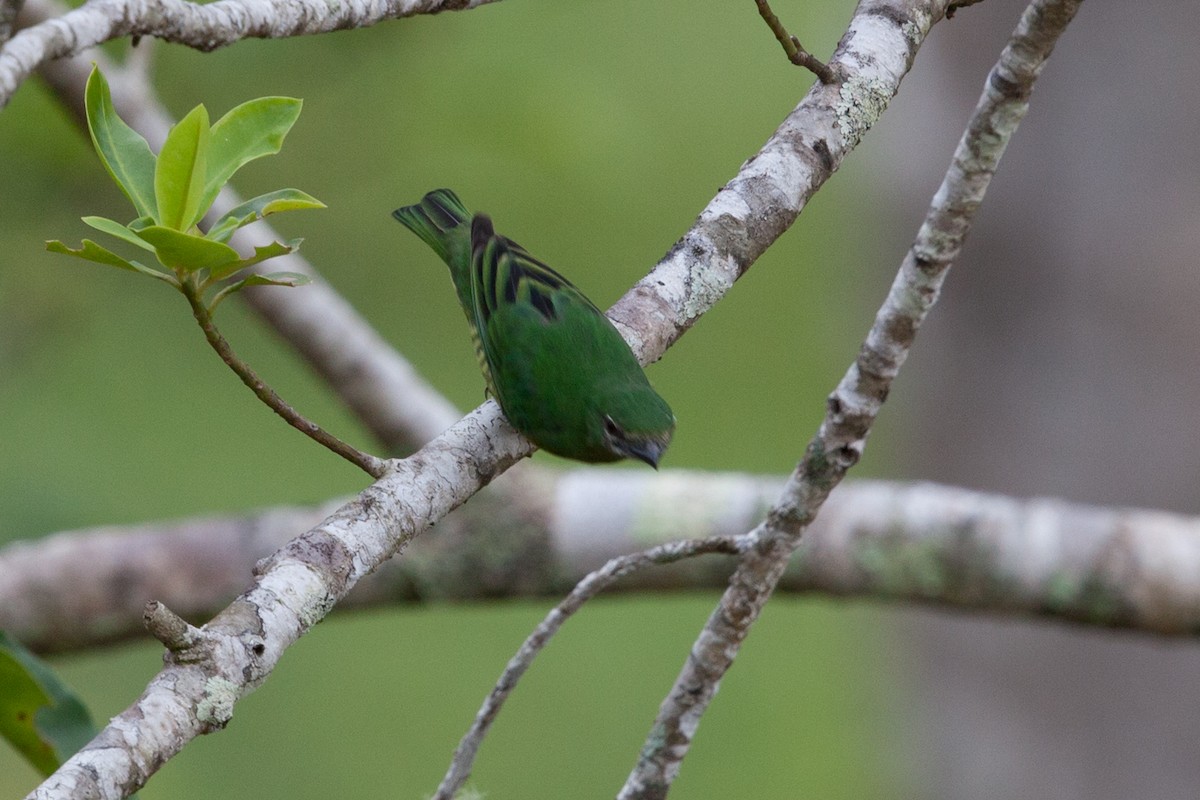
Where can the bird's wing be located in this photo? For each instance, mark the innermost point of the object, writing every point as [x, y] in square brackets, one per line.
[504, 273]
[523, 309]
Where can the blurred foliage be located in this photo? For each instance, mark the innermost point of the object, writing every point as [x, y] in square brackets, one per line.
[40, 716]
[592, 133]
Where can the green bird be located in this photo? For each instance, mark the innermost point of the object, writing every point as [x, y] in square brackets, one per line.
[559, 369]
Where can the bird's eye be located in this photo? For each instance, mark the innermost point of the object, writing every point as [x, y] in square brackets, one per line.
[612, 429]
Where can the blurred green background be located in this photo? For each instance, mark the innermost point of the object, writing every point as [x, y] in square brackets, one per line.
[593, 134]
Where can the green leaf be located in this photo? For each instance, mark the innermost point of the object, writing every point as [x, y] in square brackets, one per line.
[261, 253]
[270, 279]
[123, 151]
[179, 177]
[91, 251]
[39, 715]
[225, 227]
[186, 251]
[259, 207]
[254, 129]
[114, 228]
[276, 279]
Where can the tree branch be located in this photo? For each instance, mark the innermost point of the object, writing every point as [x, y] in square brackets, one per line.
[204, 27]
[772, 187]
[857, 400]
[913, 543]
[293, 590]
[954, 7]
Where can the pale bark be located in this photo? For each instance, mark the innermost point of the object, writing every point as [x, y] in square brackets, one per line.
[855, 403]
[923, 543]
[204, 27]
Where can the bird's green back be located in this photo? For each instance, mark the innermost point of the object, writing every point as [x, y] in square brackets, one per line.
[559, 369]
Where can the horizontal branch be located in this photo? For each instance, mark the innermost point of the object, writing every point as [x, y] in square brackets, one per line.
[204, 27]
[936, 545]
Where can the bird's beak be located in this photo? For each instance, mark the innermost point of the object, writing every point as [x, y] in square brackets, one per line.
[649, 451]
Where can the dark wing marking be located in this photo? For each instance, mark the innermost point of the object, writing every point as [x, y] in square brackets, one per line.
[446, 207]
[507, 273]
[543, 302]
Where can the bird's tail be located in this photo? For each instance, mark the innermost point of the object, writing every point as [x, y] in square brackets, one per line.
[438, 219]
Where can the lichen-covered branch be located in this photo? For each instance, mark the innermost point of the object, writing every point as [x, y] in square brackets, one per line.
[204, 27]
[858, 398]
[924, 543]
[293, 589]
[772, 187]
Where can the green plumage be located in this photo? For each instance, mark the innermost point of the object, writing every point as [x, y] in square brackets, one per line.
[559, 369]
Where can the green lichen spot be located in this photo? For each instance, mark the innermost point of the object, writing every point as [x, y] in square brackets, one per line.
[861, 101]
[216, 708]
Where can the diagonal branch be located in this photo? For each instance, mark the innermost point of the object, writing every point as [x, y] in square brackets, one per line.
[857, 400]
[772, 187]
[294, 589]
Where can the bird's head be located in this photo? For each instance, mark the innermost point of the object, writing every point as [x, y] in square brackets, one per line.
[637, 424]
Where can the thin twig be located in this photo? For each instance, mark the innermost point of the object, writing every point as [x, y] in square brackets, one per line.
[376, 383]
[791, 45]
[856, 402]
[586, 589]
[368, 463]
[953, 8]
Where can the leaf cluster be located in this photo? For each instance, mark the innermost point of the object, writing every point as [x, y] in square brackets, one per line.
[173, 191]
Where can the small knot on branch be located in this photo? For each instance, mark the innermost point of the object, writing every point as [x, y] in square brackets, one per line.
[169, 628]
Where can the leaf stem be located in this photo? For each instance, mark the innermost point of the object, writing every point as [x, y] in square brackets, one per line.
[368, 463]
[791, 45]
